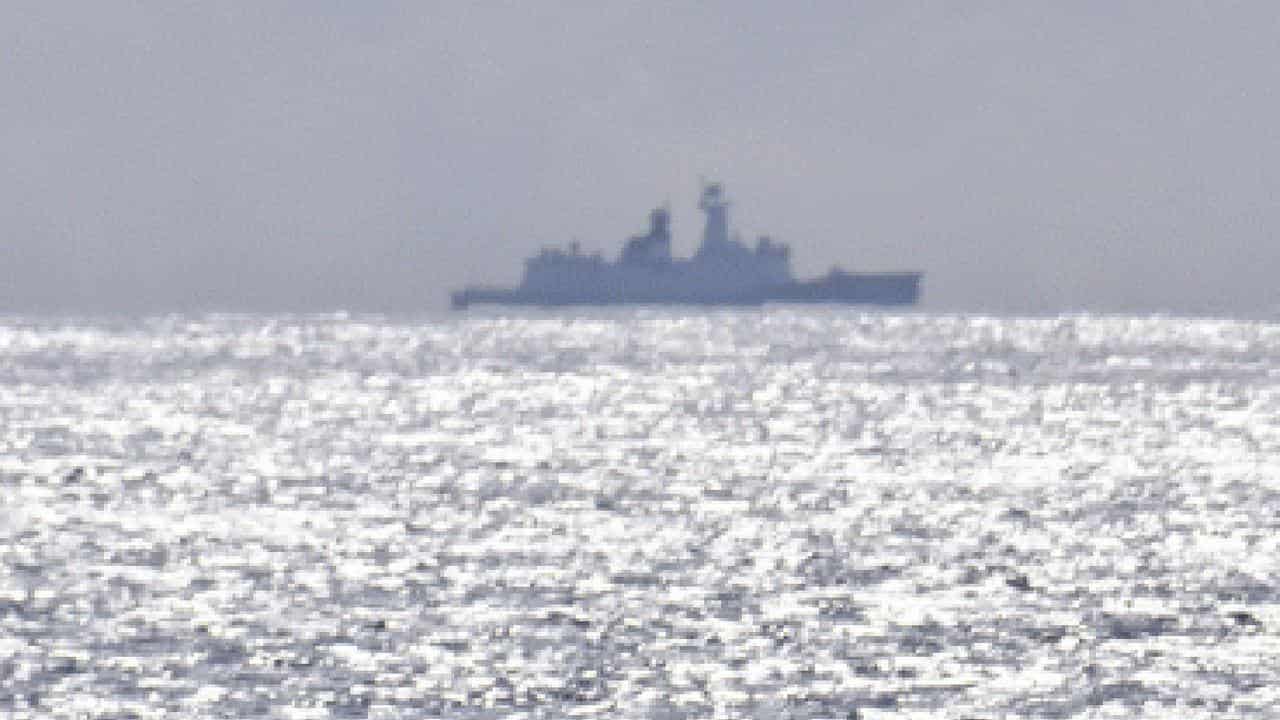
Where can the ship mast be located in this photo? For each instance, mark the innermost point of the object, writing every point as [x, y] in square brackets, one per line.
[715, 235]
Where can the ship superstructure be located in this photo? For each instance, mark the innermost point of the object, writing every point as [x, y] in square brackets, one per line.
[723, 271]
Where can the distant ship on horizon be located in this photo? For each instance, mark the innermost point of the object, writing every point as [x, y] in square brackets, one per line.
[723, 271]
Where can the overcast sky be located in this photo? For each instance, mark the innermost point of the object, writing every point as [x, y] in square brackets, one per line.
[1028, 156]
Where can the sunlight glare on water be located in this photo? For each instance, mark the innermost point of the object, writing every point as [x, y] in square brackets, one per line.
[786, 513]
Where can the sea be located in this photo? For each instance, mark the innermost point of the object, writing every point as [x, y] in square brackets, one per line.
[640, 513]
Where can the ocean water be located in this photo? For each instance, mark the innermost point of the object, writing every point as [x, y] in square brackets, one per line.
[779, 513]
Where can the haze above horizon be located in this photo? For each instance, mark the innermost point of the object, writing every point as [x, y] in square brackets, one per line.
[322, 156]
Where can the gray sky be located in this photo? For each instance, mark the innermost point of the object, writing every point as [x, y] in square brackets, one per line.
[1029, 156]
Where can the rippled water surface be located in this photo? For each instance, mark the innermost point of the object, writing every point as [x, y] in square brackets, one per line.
[640, 514]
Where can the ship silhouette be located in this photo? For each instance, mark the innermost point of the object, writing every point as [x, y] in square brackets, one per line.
[723, 271]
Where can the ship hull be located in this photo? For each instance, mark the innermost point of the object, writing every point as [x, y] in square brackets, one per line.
[837, 288]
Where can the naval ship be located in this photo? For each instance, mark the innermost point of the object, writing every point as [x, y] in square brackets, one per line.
[723, 271]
